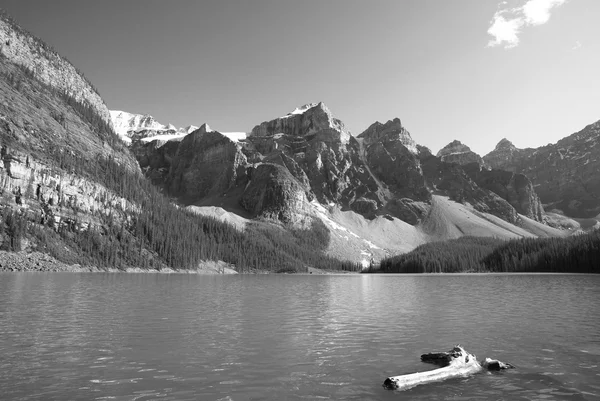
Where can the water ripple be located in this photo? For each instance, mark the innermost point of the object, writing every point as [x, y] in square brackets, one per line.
[143, 337]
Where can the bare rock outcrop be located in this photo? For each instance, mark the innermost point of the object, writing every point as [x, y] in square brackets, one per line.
[392, 156]
[206, 163]
[275, 194]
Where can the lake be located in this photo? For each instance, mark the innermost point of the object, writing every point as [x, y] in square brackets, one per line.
[77, 336]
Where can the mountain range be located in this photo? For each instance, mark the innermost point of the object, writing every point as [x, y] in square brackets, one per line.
[70, 161]
[305, 164]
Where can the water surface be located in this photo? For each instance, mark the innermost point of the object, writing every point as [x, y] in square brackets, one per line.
[187, 337]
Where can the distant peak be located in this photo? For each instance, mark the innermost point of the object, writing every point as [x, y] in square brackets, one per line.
[303, 109]
[205, 128]
[454, 147]
[504, 144]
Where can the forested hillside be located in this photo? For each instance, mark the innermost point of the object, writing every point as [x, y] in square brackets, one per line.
[575, 254]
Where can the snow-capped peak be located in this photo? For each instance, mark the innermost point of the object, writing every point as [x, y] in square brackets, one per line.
[142, 126]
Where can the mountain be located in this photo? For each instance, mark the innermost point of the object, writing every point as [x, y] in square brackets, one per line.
[305, 192]
[457, 152]
[143, 127]
[137, 126]
[564, 174]
[517, 189]
[72, 193]
[305, 165]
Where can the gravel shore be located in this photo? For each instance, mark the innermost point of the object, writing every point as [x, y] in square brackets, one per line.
[41, 262]
[37, 261]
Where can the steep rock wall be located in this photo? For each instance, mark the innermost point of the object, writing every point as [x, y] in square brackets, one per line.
[273, 193]
[206, 163]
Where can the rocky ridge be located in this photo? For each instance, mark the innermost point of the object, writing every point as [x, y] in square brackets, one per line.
[563, 174]
[307, 155]
[22, 48]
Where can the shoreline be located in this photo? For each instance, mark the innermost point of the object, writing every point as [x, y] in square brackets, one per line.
[37, 262]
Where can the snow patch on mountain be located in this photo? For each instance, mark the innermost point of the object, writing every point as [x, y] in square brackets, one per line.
[234, 136]
[301, 110]
[128, 125]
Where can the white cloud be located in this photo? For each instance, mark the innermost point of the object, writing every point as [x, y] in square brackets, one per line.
[537, 12]
[508, 22]
[577, 45]
[505, 31]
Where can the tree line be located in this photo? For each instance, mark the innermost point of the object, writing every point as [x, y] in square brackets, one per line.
[574, 254]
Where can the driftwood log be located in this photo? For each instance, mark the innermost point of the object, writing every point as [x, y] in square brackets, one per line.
[455, 363]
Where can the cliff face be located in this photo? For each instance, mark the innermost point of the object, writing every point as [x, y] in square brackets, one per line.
[41, 190]
[316, 143]
[392, 157]
[564, 174]
[311, 121]
[452, 180]
[275, 194]
[22, 48]
[206, 163]
[516, 189]
[457, 152]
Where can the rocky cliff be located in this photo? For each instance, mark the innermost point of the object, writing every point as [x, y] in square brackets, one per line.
[206, 163]
[563, 174]
[393, 156]
[515, 188]
[451, 180]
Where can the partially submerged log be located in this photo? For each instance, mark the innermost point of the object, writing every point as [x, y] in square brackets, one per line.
[456, 363]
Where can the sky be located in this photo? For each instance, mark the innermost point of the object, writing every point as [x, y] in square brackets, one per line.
[473, 70]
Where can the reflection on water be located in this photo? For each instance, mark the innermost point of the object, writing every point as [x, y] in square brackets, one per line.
[180, 337]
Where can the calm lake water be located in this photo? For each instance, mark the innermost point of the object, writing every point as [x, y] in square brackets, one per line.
[68, 336]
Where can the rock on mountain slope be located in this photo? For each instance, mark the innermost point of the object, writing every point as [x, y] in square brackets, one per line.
[564, 174]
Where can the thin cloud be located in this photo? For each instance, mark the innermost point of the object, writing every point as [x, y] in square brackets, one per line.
[577, 45]
[507, 23]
